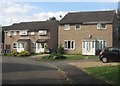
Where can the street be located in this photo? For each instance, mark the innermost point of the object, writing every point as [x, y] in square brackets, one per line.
[27, 71]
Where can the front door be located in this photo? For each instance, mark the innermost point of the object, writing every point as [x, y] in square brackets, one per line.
[88, 47]
[40, 47]
[21, 46]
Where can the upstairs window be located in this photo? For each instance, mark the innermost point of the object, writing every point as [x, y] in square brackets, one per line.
[32, 33]
[43, 32]
[77, 27]
[101, 26]
[11, 33]
[66, 27]
[23, 32]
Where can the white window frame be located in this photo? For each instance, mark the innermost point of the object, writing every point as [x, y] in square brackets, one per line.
[32, 33]
[66, 48]
[23, 31]
[76, 27]
[13, 45]
[67, 27]
[99, 26]
[42, 32]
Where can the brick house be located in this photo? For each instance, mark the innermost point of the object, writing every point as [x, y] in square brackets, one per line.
[31, 36]
[88, 32]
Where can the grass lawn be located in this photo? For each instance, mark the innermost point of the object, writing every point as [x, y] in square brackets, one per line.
[107, 73]
[73, 57]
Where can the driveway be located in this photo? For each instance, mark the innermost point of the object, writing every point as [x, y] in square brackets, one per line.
[76, 75]
[18, 70]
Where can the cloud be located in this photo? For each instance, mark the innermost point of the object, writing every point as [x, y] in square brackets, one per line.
[21, 12]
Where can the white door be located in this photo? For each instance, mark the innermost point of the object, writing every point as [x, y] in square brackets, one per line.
[40, 47]
[20, 47]
[88, 47]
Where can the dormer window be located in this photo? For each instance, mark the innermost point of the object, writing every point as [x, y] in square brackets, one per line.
[23, 32]
[101, 26]
[66, 27]
[43, 32]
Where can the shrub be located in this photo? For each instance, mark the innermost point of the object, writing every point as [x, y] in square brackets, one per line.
[53, 55]
[24, 53]
[14, 53]
[60, 49]
[9, 54]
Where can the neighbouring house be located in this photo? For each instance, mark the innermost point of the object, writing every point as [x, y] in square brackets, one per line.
[34, 37]
[88, 32]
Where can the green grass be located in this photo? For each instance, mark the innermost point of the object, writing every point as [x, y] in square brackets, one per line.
[107, 73]
[72, 57]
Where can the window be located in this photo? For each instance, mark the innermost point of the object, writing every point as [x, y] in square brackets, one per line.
[23, 32]
[43, 32]
[67, 27]
[14, 44]
[32, 33]
[13, 33]
[101, 44]
[101, 26]
[8, 33]
[77, 27]
[7, 46]
[69, 44]
[32, 45]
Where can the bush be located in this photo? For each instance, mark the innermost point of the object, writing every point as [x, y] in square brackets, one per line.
[14, 53]
[24, 53]
[9, 54]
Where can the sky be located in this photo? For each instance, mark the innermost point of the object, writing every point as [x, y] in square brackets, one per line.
[37, 10]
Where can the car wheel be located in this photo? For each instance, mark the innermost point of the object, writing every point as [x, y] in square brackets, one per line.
[104, 60]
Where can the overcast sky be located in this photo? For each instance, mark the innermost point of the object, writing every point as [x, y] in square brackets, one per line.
[20, 11]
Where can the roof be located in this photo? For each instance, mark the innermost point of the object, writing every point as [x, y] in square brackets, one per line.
[23, 40]
[32, 26]
[91, 16]
[41, 40]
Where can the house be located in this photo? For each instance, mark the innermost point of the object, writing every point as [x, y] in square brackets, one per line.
[34, 37]
[88, 32]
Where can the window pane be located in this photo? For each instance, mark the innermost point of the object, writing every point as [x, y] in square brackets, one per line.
[104, 44]
[92, 44]
[65, 44]
[83, 44]
[22, 45]
[42, 45]
[72, 45]
[103, 25]
[33, 45]
[68, 44]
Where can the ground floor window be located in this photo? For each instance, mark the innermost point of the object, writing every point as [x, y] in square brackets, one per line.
[14, 45]
[7, 46]
[69, 44]
[33, 45]
[101, 44]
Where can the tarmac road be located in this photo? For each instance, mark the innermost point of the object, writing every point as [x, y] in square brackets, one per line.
[19, 70]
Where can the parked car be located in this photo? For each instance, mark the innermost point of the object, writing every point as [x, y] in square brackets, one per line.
[109, 54]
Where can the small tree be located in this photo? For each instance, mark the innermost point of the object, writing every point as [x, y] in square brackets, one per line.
[52, 19]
